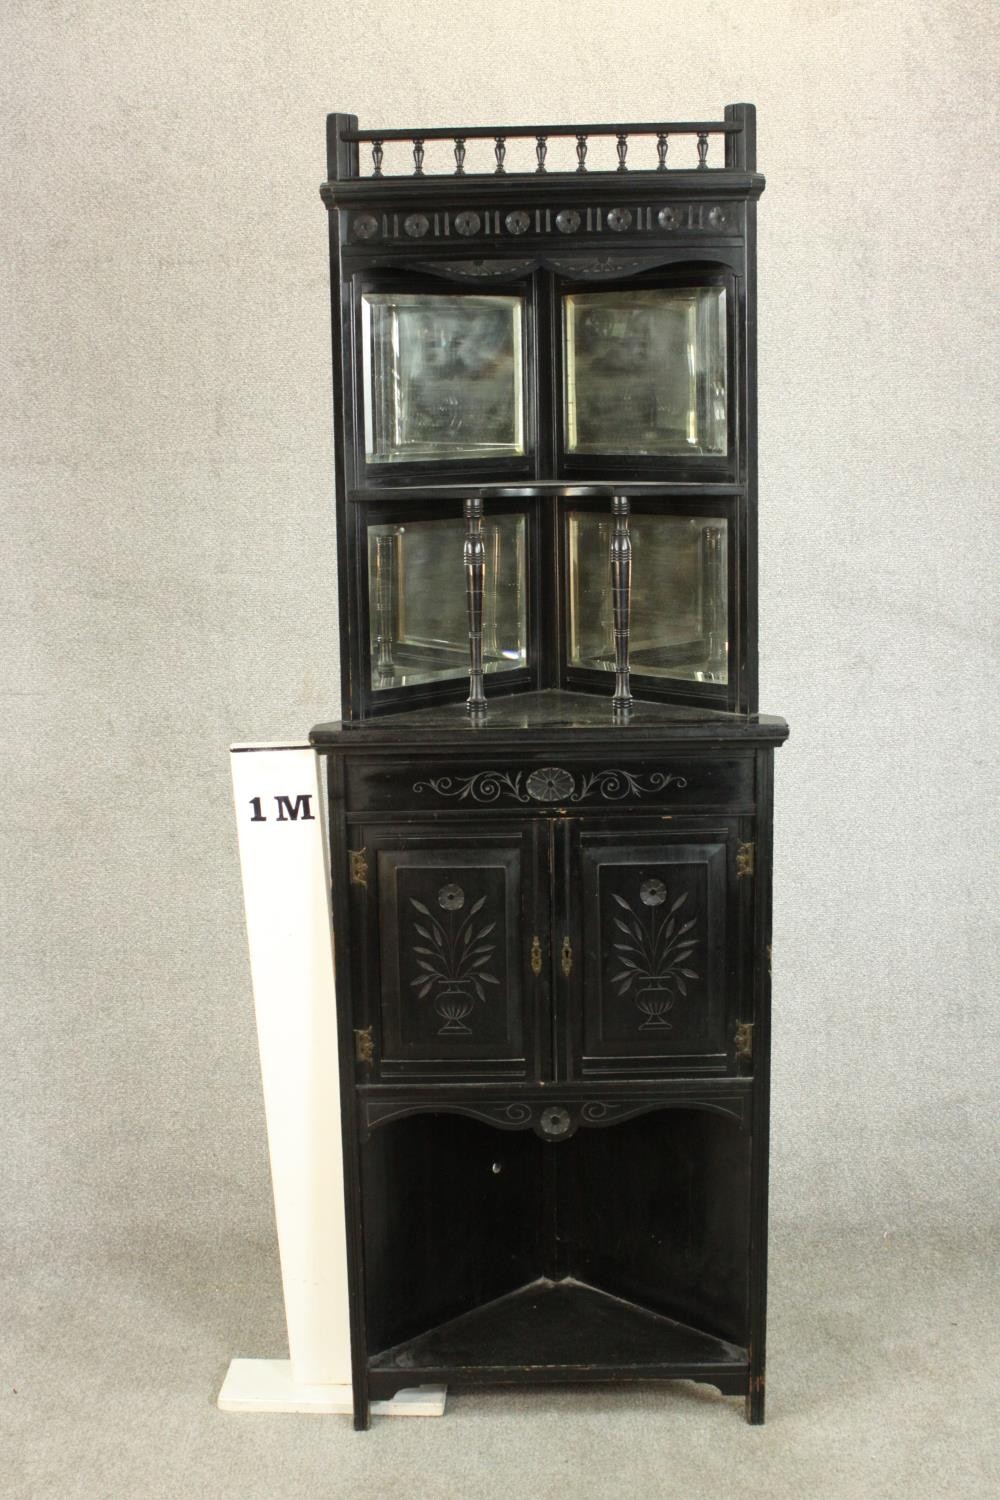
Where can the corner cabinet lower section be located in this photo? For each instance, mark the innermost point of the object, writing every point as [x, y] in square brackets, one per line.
[554, 1024]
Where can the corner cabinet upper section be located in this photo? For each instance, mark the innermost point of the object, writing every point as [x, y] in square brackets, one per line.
[519, 311]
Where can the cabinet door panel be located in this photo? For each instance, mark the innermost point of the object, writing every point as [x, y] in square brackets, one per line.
[659, 947]
[451, 925]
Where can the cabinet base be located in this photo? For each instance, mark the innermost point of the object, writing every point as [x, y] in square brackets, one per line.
[564, 1331]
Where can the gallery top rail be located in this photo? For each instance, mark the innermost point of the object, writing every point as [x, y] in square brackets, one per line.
[736, 130]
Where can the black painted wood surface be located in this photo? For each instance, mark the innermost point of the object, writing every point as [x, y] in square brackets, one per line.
[552, 920]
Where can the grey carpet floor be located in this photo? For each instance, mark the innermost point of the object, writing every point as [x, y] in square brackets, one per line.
[882, 1381]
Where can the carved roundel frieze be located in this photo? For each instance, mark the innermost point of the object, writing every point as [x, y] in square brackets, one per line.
[671, 218]
[555, 1122]
[467, 222]
[550, 784]
[365, 227]
[719, 217]
[517, 221]
[619, 219]
[567, 221]
[416, 225]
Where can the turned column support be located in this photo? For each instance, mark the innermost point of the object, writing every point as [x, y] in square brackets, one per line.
[621, 597]
[475, 567]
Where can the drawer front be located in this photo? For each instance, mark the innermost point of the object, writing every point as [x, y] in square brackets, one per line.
[540, 785]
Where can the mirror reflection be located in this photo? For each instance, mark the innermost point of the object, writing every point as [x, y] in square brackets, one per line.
[443, 376]
[679, 615]
[417, 604]
[646, 371]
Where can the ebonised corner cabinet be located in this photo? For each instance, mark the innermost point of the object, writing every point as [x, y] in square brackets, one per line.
[549, 784]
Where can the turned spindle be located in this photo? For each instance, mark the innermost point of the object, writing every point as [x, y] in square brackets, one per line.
[475, 567]
[621, 597]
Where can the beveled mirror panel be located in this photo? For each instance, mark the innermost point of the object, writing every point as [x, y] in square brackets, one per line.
[417, 603]
[679, 613]
[443, 377]
[645, 371]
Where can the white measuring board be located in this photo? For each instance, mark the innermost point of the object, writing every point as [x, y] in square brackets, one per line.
[280, 823]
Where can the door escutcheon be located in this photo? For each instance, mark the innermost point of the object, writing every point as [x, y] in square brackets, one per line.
[536, 955]
[566, 958]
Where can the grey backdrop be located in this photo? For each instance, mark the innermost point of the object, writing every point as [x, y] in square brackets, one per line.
[170, 576]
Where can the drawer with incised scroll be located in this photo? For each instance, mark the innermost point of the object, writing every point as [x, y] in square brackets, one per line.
[539, 785]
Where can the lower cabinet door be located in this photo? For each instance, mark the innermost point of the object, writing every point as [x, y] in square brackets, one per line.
[454, 982]
[657, 920]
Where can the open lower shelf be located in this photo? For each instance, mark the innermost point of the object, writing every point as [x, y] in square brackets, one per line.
[553, 1330]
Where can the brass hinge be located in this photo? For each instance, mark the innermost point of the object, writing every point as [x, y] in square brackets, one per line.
[359, 866]
[364, 1045]
[769, 960]
[756, 1383]
[566, 957]
[744, 1039]
[744, 860]
[536, 955]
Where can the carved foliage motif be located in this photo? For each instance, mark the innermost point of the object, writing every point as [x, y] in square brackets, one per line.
[594, 267]
[484, 786]
[560, 1121]
[453, 958]
[550, 784]
[653, 951]
[478, 269]
[450, 979]
[613, 785]
[659, 974]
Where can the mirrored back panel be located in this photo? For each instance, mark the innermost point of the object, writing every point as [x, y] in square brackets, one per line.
[443, 377]
[418, 620]
[679, 613]
[645, 372]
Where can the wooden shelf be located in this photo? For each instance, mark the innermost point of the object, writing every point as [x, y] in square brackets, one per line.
[541, 489]
[553, 709]
[562, 1330]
